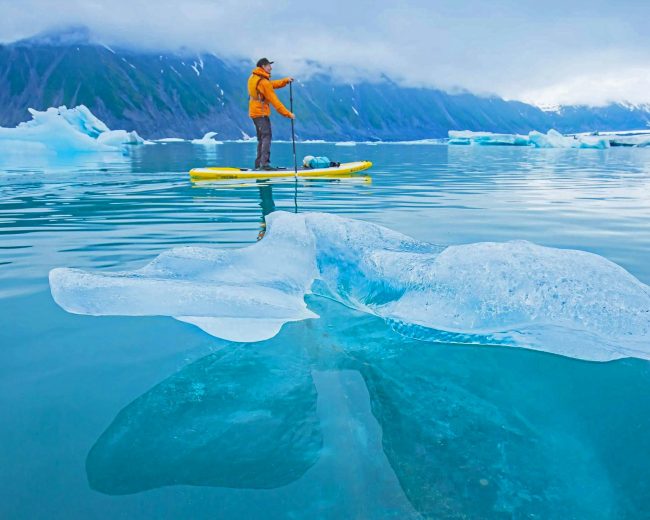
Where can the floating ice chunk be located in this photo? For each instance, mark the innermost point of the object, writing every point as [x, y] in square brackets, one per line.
[642, 140]
[82, 119]
[594, 142]
[515, 293]
[170, 140]
[245, 138]
[53, 131]
[522, 293]
[65, 130]
[117, 138]
[552, 139]
[466, 137]
[207, 139]
[226, 293]
[419, 142]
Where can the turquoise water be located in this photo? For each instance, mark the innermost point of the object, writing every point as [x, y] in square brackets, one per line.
[336, 417]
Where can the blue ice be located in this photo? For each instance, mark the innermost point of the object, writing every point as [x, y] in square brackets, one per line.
[517, 293]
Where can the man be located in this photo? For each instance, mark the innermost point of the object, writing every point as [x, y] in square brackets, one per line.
[261, 93]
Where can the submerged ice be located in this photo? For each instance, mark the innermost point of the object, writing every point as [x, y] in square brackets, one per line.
[65, 130]
[520, 294]
[372, 426]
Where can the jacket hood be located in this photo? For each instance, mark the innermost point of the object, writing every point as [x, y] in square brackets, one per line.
[259, 71]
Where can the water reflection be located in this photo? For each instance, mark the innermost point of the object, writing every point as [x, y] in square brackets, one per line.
[267, 205]
[48, 163]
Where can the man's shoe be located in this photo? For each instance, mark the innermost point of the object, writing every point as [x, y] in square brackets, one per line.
[268, 168]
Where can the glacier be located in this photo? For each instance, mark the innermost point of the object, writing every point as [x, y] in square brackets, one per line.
[551, 139]
[517, 293]
[65, 130]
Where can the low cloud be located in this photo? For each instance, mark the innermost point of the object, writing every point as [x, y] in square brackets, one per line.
[589, 52]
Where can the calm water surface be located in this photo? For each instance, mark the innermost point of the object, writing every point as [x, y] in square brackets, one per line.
[340, 417]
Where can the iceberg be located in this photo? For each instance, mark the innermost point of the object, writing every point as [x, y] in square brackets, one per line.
[118, 138]
[82, 119]
[170, 140]
[639, 138]
[466, 137]
[65, 130]
[418, 142]
[519, 294]
[640, 141]
[207, 140]
[554, 139]
[551, 139]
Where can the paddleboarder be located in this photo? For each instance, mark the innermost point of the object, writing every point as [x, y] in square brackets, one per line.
[261, 95]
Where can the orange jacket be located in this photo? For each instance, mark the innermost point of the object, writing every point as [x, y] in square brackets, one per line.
[261, 93]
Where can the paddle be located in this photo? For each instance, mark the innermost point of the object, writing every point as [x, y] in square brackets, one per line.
[293, 132]
[295, 161]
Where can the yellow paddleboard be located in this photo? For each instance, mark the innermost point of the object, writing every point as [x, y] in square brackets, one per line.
[223, 173]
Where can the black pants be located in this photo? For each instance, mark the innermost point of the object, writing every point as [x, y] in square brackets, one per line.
[263, 128]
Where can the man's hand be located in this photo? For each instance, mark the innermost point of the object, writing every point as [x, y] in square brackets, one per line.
[289, 80]
[291, 116]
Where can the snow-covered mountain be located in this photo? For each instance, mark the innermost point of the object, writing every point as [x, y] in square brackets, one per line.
[186, 95]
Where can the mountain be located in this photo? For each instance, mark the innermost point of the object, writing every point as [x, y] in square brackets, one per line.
[616, 116]
[186, 95]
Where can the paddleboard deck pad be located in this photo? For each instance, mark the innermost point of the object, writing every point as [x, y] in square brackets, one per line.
[226, 173]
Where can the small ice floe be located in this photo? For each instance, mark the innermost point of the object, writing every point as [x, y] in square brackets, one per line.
[550, 139]
[466, 137]
[66, 130]
[207, 140]
[170, 140]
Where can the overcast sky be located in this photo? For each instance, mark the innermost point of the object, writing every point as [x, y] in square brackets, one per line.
[546, 52]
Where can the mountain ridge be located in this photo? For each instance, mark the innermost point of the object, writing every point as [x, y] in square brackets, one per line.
[186, 95]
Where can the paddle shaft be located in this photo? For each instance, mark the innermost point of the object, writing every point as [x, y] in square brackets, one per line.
[293, 132]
